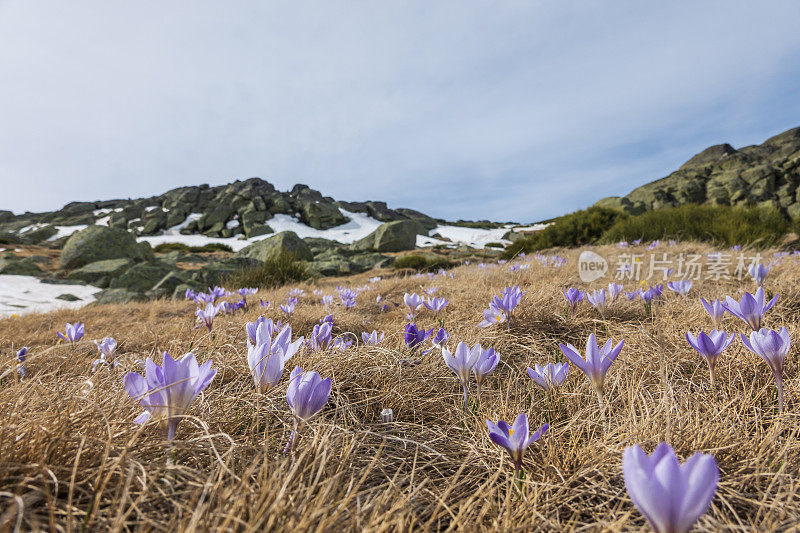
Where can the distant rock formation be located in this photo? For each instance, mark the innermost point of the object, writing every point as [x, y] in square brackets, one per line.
[240, 208]
[765, 175]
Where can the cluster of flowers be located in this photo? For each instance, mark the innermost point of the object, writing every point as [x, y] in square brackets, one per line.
[502, 306]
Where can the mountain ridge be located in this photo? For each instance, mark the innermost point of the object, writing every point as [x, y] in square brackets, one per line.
[765, 175]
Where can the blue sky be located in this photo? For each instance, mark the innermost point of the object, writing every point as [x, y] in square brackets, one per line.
[461, 109]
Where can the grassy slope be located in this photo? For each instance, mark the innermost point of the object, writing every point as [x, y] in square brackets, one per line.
[72, 456]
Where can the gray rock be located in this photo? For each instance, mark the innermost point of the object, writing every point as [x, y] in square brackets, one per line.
[42, 234]
[321, 215]
[97, 243]
[141, 277]
[67, 297]
[272, 247]
[168, 283]
[392, 237]
[119, 296]
[10, 264]
[110, 268]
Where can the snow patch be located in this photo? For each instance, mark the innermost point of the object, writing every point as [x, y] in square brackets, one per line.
[66, 231]
[27, 294]
[475, 237]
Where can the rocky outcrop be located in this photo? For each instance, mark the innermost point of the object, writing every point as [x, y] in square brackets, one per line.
[765, 175]
[97, 243]
[285, 242]
[392, 237]
[241, 208]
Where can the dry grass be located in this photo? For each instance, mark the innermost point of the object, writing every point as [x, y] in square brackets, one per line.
[71, 458]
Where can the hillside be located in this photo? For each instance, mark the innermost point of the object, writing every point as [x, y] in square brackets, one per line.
[765, 175]
[200, 236]
[71, 455]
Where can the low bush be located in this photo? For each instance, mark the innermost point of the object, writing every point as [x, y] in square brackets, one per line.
[722, 225]
[272, 273]
[422, 263]
[166, 247]
[575, 229]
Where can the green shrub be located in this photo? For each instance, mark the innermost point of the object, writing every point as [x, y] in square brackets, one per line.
[574, 229]
[421, 263]
[724, 225]
[166, 247]
[272, 273]
[495, 245]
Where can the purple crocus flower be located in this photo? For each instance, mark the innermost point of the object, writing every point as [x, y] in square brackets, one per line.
[772, 347]
[710, 346]
[289, 306]
[320, 338]
[436, 304]
[614, 291]
[758, 273]
[327, 300]
[190, 294]
[166, 392]
[414, 336]
[751, 308]
[441, 338]
[598, 300]
[430, 291]
[573, 297]
[341, 343]
[263, 303]
[637, 242]
[597, 361]
[493, 315]
[682, 287]
[307, 393]
[631, 295]
[670, 495]
[296, 292]
[327, 318]
[515, 439]
[107, 348]
[207, 315]
[413, 301]
[461, 362]
[715, 310]
[508, 300]
[372, 339]
[268, 358]
[549, 376]
[19, 361]
[216, 293]
[484, 365]
[74, 332]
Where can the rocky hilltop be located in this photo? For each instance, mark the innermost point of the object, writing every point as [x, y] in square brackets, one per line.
[765, 175]
[240, 208]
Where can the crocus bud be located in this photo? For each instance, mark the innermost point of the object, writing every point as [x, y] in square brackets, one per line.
[387, 416]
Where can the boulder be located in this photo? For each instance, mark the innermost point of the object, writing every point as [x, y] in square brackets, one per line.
[371, 260]
[118, 296]
[258, 230]
[93, 272]
[217, 272]
[392, 237]
[67, 297]
[41, 234]
[334, 268]
[141, 277]
[25, 266]
[272, 247]
[167, 285]
[320, 215]
[97, 243]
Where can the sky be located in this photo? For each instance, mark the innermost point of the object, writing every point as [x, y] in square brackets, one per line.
[460, 109]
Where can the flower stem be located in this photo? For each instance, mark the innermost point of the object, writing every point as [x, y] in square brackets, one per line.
[779, 383]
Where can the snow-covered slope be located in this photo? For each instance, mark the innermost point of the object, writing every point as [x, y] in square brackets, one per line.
[360, 226]
[26, 294]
